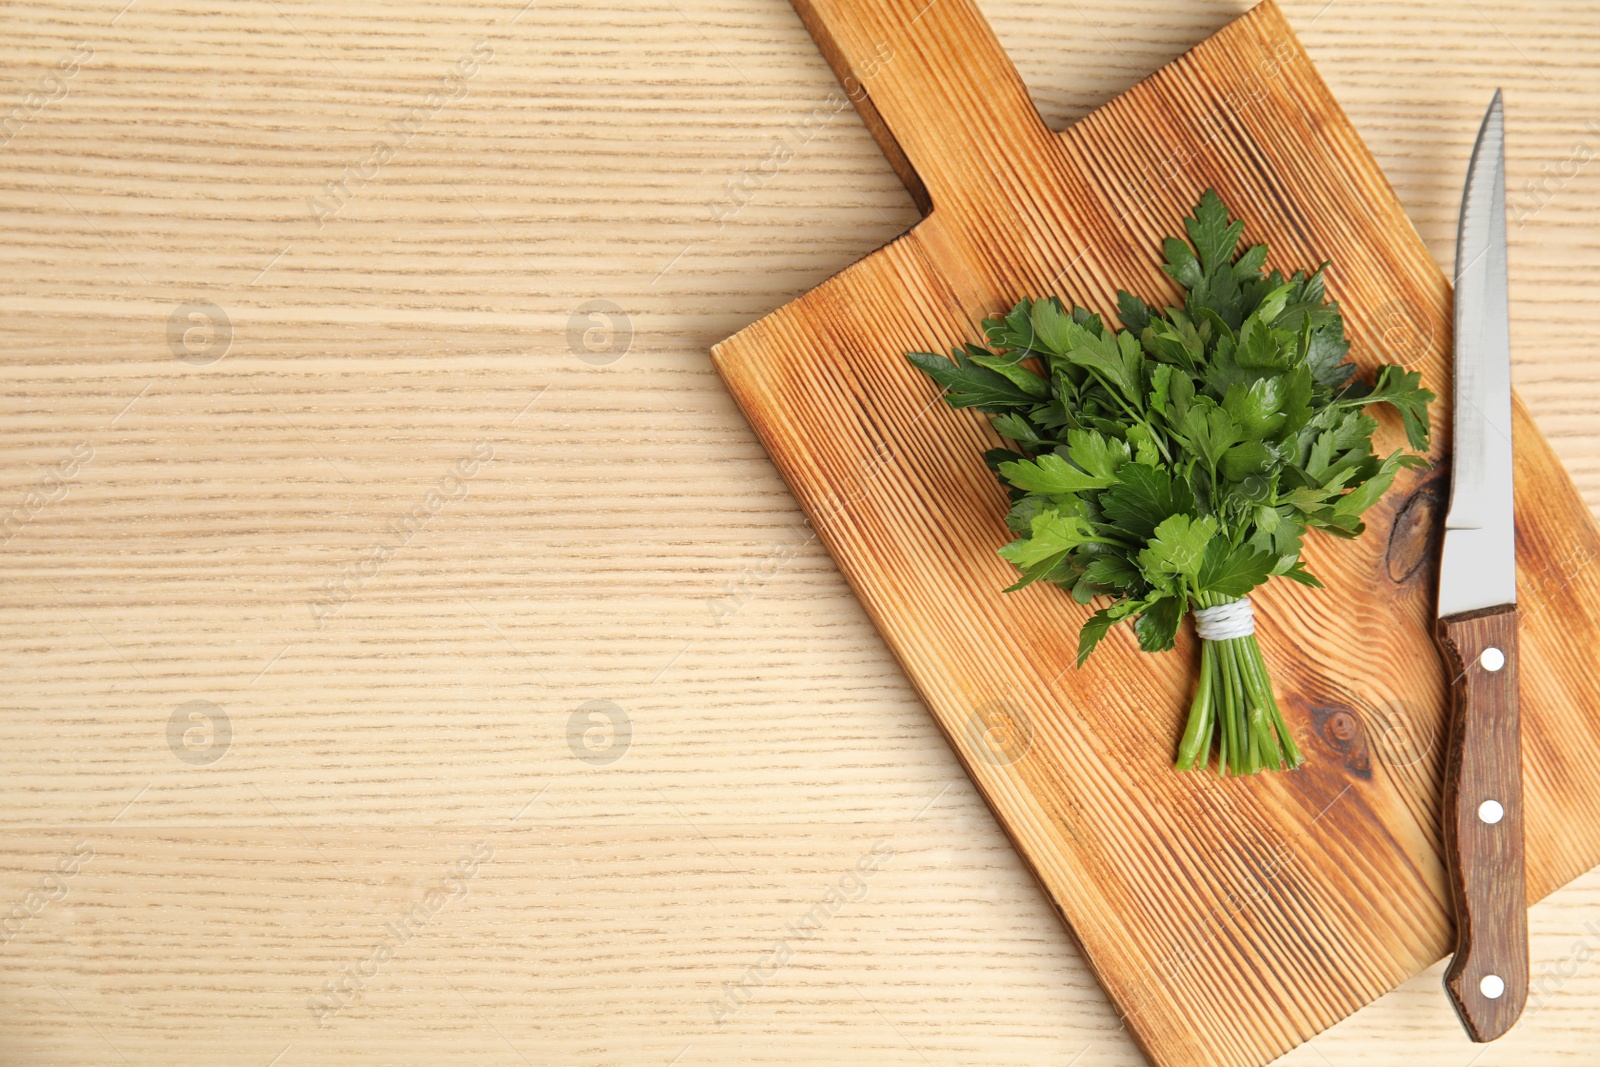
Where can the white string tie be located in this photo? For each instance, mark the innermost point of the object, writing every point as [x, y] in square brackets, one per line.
[1225, 621]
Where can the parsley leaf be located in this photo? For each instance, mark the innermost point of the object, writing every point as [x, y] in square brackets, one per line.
[1142, 498]
[1051, 475]
[1402, 390]
[969, 385]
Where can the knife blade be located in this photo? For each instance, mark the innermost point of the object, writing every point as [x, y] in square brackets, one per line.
[1487, 980]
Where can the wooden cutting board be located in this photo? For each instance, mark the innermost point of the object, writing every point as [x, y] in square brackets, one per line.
[1228, 920]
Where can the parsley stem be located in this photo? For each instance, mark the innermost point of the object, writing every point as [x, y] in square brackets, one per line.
[1234, 707]
[1195, 749]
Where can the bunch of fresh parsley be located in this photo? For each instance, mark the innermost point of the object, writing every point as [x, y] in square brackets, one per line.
[1177, 463]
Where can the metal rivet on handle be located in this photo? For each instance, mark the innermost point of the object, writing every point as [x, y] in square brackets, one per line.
[1492, 659]
[1492, 986]
[1491, 812]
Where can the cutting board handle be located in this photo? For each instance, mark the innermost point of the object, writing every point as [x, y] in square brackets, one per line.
[941, 96]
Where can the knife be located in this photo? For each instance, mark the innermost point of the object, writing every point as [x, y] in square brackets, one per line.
[1487, 980]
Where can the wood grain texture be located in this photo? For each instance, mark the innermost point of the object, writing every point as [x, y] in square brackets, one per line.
[1228, 921]
[1484, 852]
[630, 542]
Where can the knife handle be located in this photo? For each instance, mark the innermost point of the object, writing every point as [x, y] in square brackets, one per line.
[1488, 978]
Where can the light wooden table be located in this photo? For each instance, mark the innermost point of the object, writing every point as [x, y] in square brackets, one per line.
[409, 655]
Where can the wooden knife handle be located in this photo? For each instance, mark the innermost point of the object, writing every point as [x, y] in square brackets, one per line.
[1488, 978]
